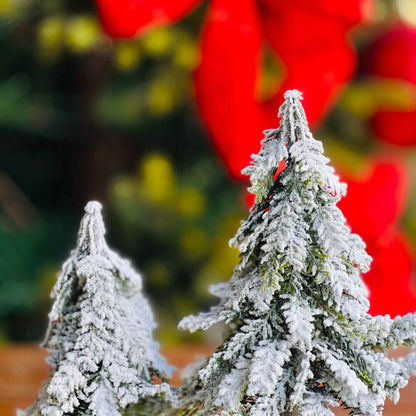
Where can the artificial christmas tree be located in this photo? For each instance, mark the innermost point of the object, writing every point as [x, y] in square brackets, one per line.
[102, 354]
[300, 337]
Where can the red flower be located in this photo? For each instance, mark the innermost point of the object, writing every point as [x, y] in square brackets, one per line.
[309, 36]
[373, 206]
[392, 55]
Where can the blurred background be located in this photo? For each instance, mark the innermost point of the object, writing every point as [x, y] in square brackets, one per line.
[154, 112]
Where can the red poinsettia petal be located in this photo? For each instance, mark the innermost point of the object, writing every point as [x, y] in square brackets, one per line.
[375, 201]
[318, 57]
[226, 77]
[127, 18]
[347, 13]
[390, 277]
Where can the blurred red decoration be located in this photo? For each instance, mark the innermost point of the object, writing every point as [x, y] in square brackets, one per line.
[373, 206]
[390, 276]
[128, 18]
[392, 55]
[375, 201]
[309, 36]
[396, 127]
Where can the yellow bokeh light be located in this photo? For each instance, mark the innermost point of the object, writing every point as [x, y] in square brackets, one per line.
[191, 202]
[222, 258]
[271, 75]
[394, 94]
[124, 187]
[157, 42]
[407, 10]
[194, 242]
[158, 178]
[358, 100]
[186, 54]
[50, 37]
[364, 99]
[7, 7]
[82, 34]
[161, 97]
[127, 56]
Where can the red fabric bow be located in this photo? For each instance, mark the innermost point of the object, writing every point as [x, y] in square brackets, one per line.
[373, 206]
[129, 18]
[309, 36]
[390, 278]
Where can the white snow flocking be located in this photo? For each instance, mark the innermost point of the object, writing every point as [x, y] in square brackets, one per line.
[300, 337]
[102, 353]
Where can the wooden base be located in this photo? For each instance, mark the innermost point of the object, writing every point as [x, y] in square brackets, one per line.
[23, 368]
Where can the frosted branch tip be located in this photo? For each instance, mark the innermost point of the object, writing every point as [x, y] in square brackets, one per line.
[294, 94]
[93, 207]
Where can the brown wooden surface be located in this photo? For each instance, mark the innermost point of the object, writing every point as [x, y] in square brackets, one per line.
[23, 368]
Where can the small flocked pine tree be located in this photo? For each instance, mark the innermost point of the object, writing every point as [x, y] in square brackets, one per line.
[300, 337]
[102, 354]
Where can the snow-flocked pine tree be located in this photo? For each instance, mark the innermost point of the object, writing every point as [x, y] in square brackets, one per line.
[102, 354]
[300, 338]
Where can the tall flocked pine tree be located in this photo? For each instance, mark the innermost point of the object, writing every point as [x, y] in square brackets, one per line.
[102, 354]
[300, 338]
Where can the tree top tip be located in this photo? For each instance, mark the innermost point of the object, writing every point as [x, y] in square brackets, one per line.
[294, 94]
[93, 207]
